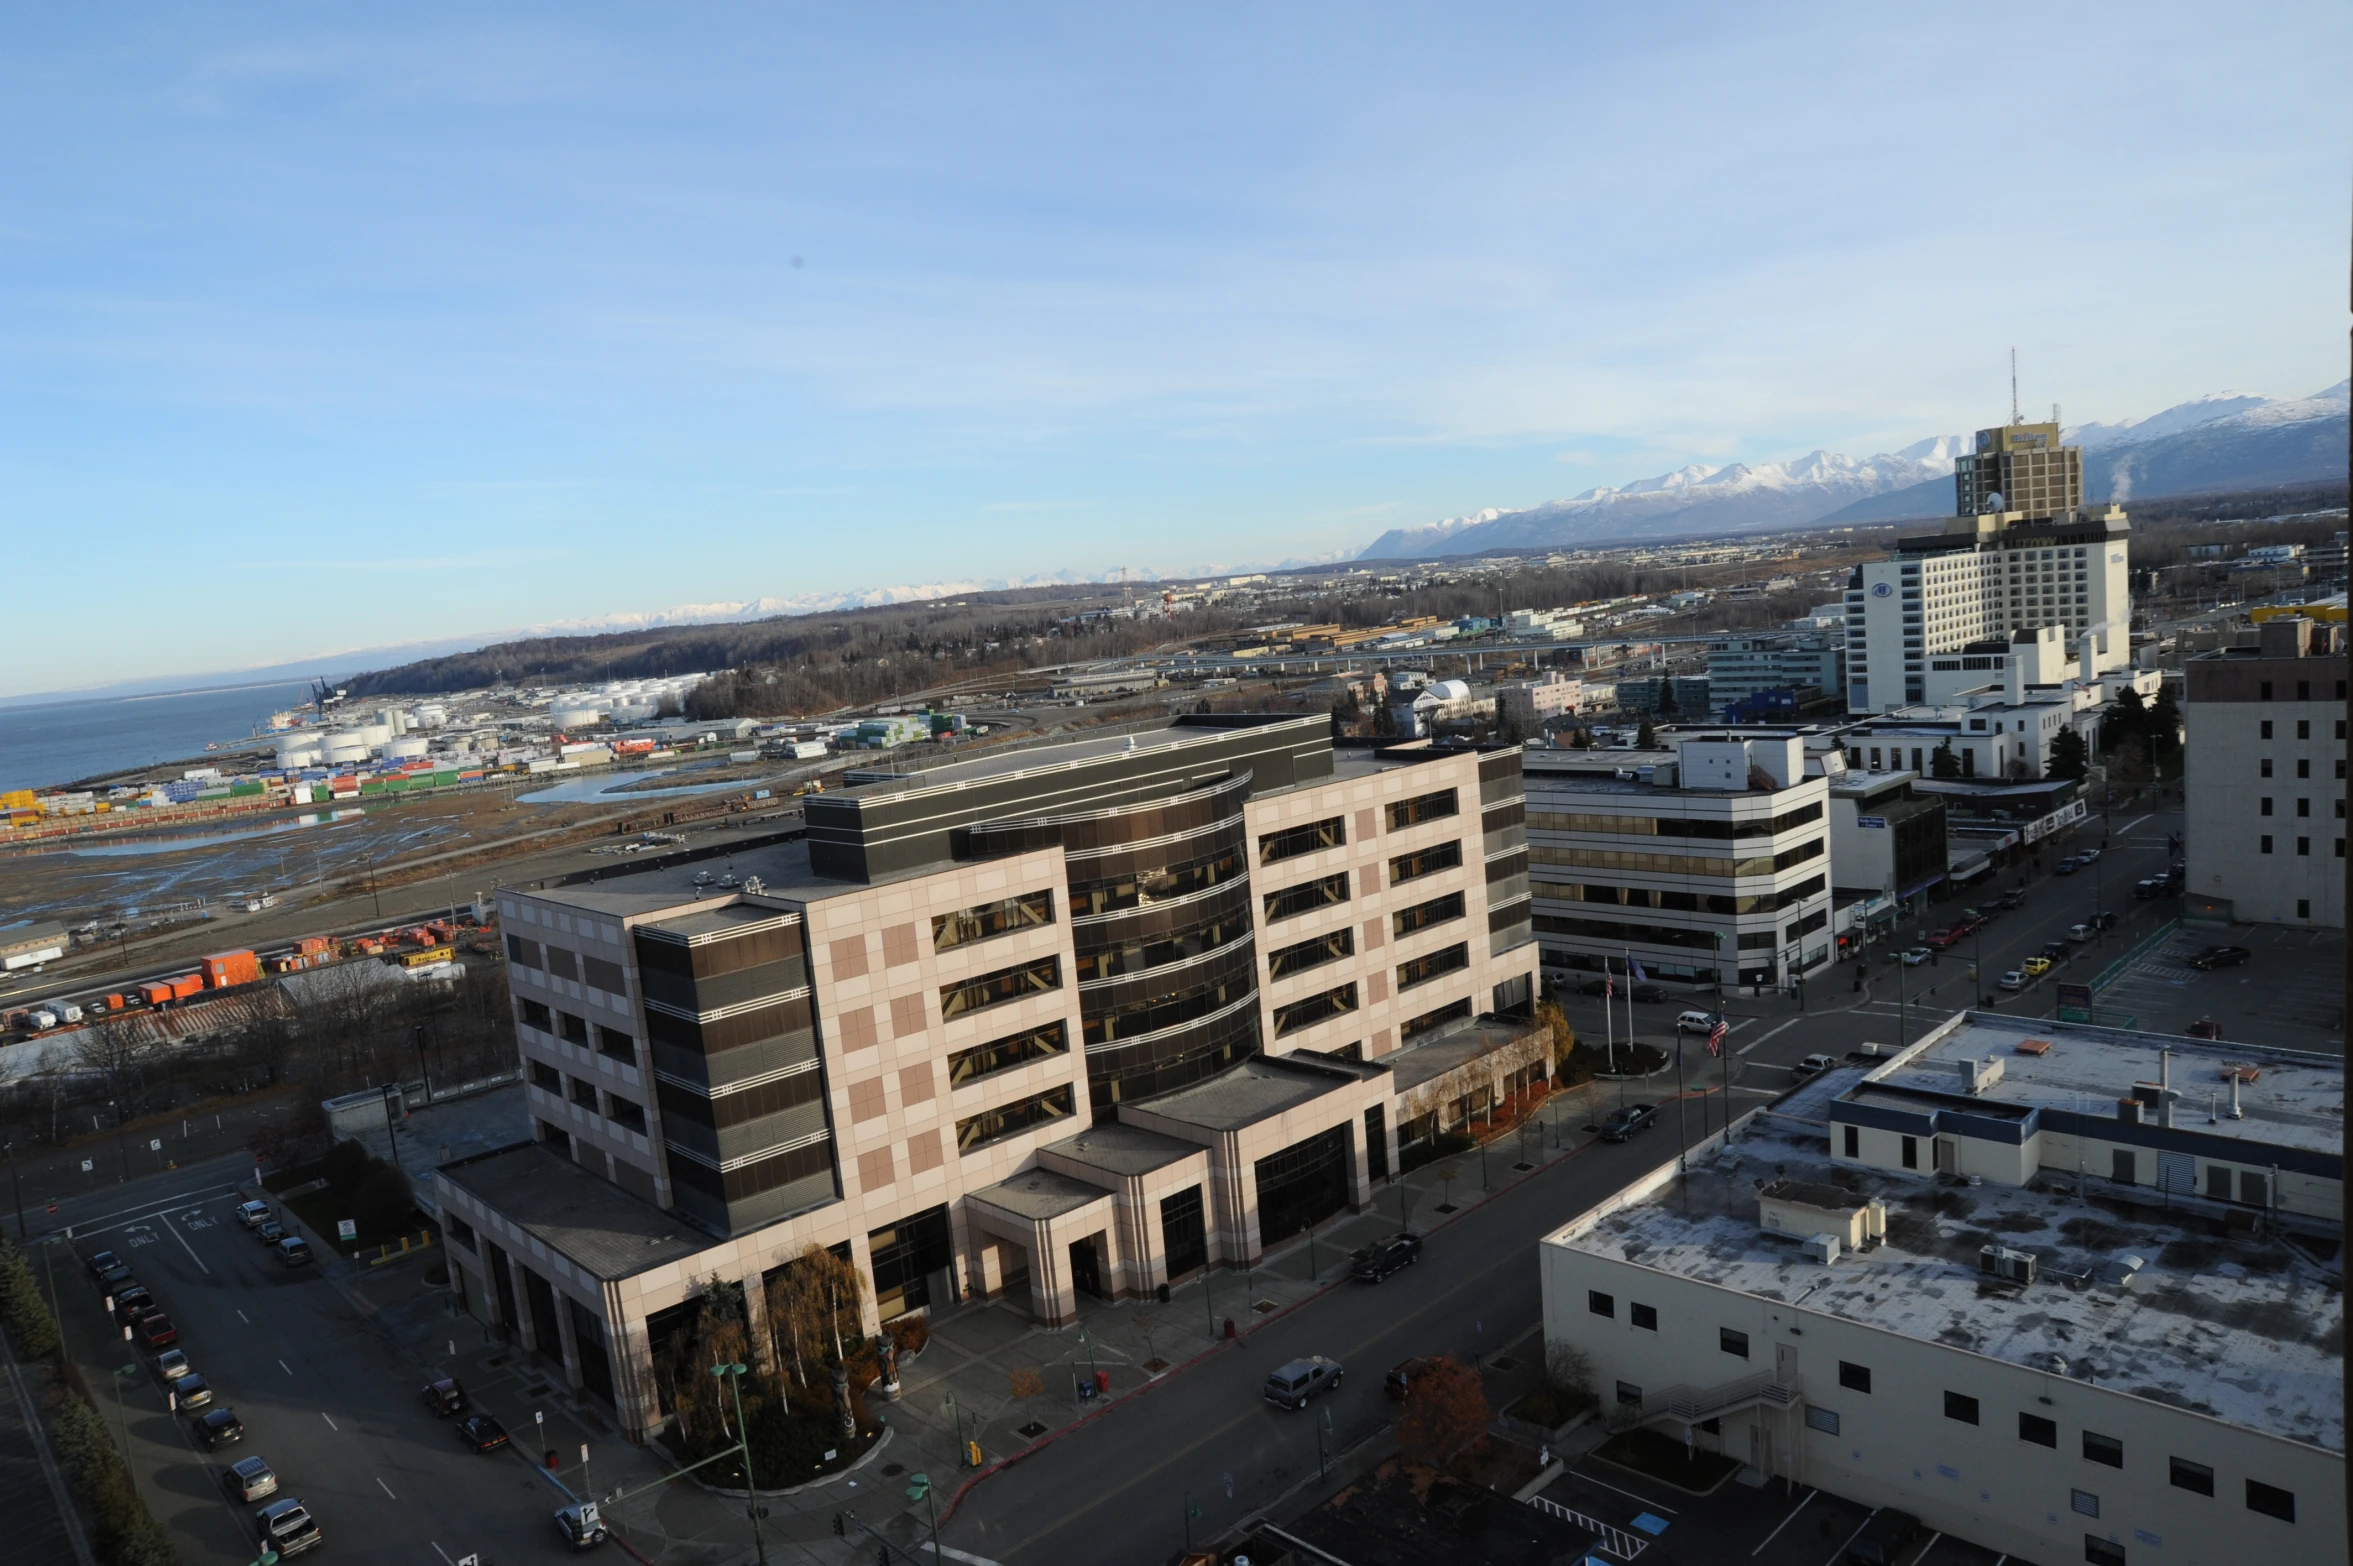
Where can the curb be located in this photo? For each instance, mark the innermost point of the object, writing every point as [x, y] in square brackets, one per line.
[871, 1454]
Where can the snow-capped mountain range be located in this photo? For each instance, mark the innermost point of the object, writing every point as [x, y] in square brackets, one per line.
[2225, 441]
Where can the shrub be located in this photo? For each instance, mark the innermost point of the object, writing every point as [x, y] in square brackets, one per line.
[909, 1334]
[23, 1310]
[126, 1533]
[381, 1201]
[1445, 1411]
[345, 1166]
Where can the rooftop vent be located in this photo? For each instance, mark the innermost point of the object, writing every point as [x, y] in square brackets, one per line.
[2120, 1273]
[2034, 1046]
[1979, 1073]
[1823, 1248]
[2000, 1261]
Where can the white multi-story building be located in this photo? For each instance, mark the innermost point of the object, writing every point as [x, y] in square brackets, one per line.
[1741, 666]
[2264, 777]
[1967, 592]
[1709, 862]
[2067, 1293]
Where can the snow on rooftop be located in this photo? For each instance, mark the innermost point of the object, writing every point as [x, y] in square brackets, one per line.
[2232, 1326]
[2296, 1100]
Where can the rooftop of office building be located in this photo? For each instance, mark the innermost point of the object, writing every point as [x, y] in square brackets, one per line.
[2216, 1321]
[2286, 1098]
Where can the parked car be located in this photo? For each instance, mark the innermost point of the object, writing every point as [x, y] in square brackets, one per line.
[2079, 933]
[1627, 1119]
[1944, 940]
[481, 1433]
[1700, 1022]
[269, 1231]
[249, 1479]
[2085, 856]
[2152, 887]
[1384, 1256]
[155, 1330]
[115, 1279]
[2204, 1028]
[253, 1214]
[1293, 1384]
[294, 1251]
[2013, 979]
[1811, 1066]
[289, 1528]
[2035, 967]
[579, 1526]
[445, 1397]
[1401, 1376]
[171, 1365]
[2221, 957]
[2011, 899]
[2101, 921]
[1883, 1538]
[1594, 987]
[2067, 866]
[190, 1391]
[1648, 994]
[1913, 957]
[132, 1303]
[2057, 950]
[101, 1261]
[217, 1427]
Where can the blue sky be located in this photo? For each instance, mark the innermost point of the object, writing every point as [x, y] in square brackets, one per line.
[323, 326]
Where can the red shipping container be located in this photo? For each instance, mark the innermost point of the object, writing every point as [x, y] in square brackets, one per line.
[157, 993]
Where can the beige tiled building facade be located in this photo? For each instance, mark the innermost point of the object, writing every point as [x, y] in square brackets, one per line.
[1071, 1020]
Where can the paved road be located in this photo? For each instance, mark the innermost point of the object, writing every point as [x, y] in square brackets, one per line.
[322, 1395]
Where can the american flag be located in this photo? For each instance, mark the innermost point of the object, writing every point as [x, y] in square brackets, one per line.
[1609, 986]
[1716, 1036]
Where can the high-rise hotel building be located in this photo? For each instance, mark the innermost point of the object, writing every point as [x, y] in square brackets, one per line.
[1076, 1019]
[2022, 553]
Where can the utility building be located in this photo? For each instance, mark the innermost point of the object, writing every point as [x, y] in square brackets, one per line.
[1072, 1019]
[2067, 1293]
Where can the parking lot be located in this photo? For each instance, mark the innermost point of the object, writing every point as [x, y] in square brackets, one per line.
[2289, 994]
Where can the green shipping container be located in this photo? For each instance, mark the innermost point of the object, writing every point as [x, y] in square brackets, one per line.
[244, 788]
[444, 779]
[395, 785]
[371, 787]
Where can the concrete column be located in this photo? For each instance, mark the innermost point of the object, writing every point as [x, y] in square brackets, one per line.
[1051, 1298]
[862, 1258]
[755, 1306]
[568, 1349]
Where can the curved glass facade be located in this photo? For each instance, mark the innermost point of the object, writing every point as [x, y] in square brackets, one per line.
[1161, 920]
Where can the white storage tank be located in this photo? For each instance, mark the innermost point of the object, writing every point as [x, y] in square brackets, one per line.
[298, 750]
[575, 715]
[408, 747]
[375, 736]
[345, 747]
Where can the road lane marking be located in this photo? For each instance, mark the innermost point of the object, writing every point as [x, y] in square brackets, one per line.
[241, 1316]
[289, 1369]
[105, 1224]
[1785, 1522]
[2136, 821]
[331, 1425]
[444, 1554]
[190, 1249]
[1762, 1037]
[1852, 1537]
[1583, 1478]
[387, 1489]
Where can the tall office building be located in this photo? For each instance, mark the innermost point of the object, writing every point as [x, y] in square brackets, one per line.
[1040, 1023]
[2024, 553]
[2019, 467]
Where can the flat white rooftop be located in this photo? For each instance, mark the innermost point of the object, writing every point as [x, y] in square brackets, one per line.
[2244, 1329]
[2296, 1100]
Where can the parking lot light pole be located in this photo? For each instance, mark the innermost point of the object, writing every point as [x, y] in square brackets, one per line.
[733, 1376]
[120, 1418]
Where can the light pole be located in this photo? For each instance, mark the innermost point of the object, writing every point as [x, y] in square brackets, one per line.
[733, 1376]
[121, 1419]
[919, 1489]
[1093, 1374]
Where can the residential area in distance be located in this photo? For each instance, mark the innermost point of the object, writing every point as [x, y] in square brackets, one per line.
[1829, 1050]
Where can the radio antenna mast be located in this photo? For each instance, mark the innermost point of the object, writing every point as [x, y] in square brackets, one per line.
[2014, 418]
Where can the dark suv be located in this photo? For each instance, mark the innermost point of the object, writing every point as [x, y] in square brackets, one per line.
[2221, 957]
[1385, 1256]
[1883, 1538]
[1624, 1122]
[1293, 1384]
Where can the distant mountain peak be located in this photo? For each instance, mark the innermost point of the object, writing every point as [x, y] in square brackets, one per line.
[2223, 440]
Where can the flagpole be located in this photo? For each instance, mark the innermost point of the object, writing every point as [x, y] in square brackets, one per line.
[1609, 1015]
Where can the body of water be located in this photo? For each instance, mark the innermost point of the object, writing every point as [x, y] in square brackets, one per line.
[59, 742]
[619, 790]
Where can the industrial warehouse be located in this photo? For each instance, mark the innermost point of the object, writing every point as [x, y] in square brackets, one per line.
[1072, 1020]
[1981, 1282]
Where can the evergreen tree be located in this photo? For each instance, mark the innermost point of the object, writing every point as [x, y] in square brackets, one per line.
[2069, 758]
[1666, 707]
[1644, 738]
[1943, 763]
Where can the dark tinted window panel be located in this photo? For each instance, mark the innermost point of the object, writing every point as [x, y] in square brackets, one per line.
[600, 974]
[1423, 807]
[561, 963]
[1312, 953]
[1432, 965]
[1142, 889]
[1139, 952]
[995, 989]
[1428, 861]
[1316, 1008]
[994, 1125]
[1188, 997]
[522, 952]
[1292, 901]
[1416, 1026]
[1313, 838]
[1007, 1054]
[990, 920]
[1421, 916]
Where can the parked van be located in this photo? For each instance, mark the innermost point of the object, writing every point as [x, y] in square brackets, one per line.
[294, 1251]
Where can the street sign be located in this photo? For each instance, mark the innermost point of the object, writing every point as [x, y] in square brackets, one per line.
[346, 1229]
[155, 1144]
[85, 1166]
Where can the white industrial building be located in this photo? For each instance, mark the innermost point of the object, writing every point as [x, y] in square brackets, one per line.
[2264, 777]
[2068, 1293]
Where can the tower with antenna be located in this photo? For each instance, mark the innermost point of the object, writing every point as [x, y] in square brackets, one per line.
[2015, 416]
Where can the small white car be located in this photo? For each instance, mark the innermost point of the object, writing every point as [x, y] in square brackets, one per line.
[2013, 980]
[1811, 1066]
[1916, 956]
[253, 1214]
[1700, 1022]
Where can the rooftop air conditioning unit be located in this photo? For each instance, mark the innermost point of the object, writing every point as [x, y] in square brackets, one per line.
[1999, 1261]
[1823, 1248]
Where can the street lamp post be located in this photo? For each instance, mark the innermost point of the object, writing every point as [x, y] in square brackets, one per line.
[122, 1420]
[733, 1376]
[1088, 1343]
